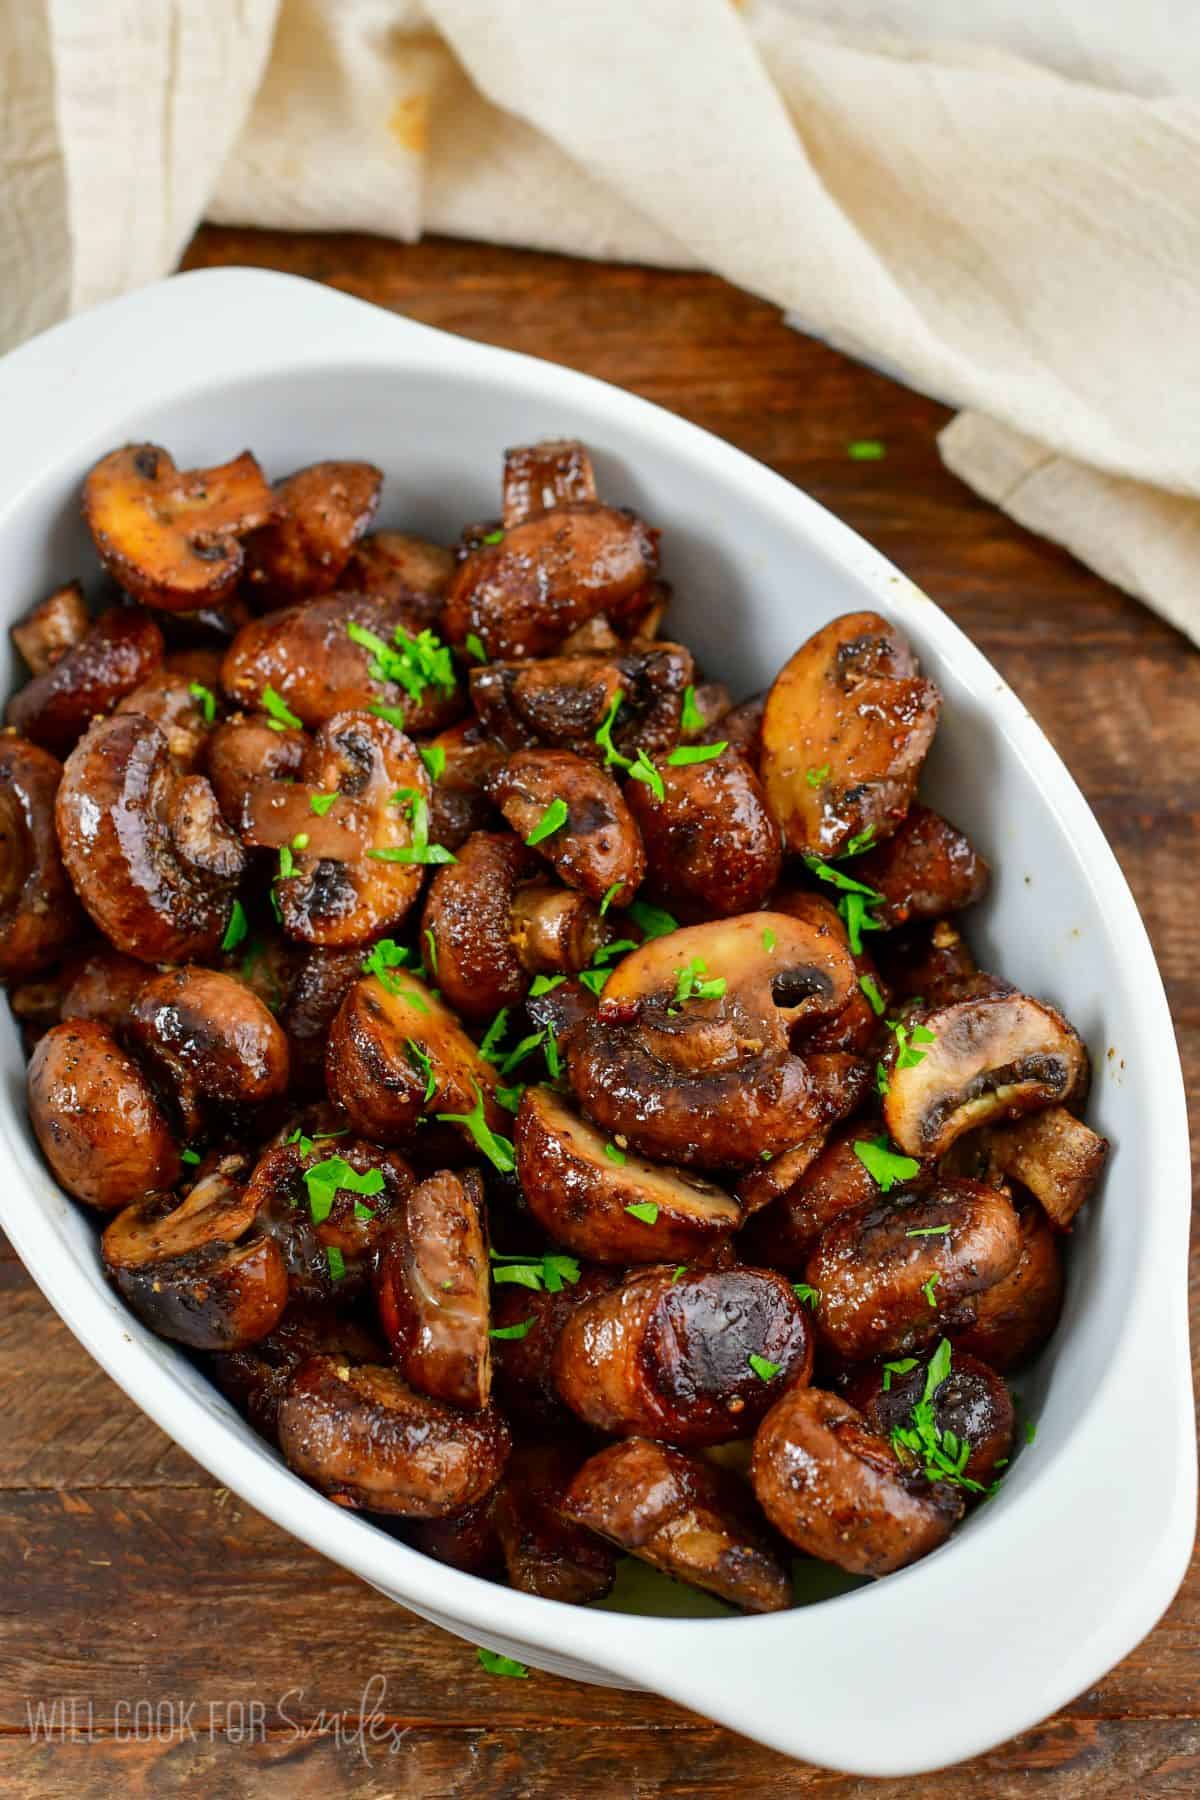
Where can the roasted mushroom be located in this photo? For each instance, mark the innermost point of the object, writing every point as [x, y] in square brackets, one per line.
[255, 1377]
[1055, 1155]
[117, 653]
[170, 537]
[925, 870]
[48, 630]
[460, 760]
[710, 841]
[315, 990]
[328, 1200]
[39, 916]
[682, 1516]
[465, 1540]
[244, 750]
[1016, 1316]
[831, 1181]
[575, 816]
[525, 1327]
[97, 1118]
[545, 1552]
[432, 1289]
[183, 709]
[320, 514]
[538, 477]
[970, 1403]
[391, 565]
[847, 726]
[567, 701]
[211, 1041]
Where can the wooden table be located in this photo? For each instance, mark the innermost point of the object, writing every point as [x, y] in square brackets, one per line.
[128, 1575]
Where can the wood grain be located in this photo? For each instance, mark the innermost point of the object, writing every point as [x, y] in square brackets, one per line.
[129, 1576]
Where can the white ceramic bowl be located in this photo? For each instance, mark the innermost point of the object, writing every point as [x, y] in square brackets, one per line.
[1051, 1583]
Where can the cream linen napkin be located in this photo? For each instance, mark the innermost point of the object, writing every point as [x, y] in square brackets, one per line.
[1021, 239]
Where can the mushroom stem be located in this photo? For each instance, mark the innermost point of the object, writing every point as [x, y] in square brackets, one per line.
[554, 929]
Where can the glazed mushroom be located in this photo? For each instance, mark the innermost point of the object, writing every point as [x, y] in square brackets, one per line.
[392, 565]
[327, 1200]
[926, 869]
[466, 1540]
[1055, 1155]
[211, 1041]
[693, 1358]
[183, 709]
[682, 1516]
[244, 750]
[970, 1402]
[564, 701]
[145, 847]
[837, 1490]
[493, 925]
[365, 1438]
[97, 1118]
[103, 985]
[856, 1028]
[1015, 1317]
[986, 1059]
[575, 816]
[832, 1181]
[846, 728]
[173, 538]
[432, 1289]
[39, 916]
[523, 594]
[460, 760]
[538, 477]
[896, 1273]
[48, 630]
[117, 653]
[607, 1203]
[740, 727]
[307, 1008]
[545, 1552]
[710, 840]
[198, 1270]
[320, 514]
[525, 1328]
[255, 1377]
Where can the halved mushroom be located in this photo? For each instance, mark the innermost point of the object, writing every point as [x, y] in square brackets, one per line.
[606, 1203]
[900, 1271]
[172, 537]
[199, 1270]
[991, 1058]
[327, 1201]
[710, 840]
[116, 654]
[801, 1195]
[856, 1028]
[39, 916]
[145, 847]
[48, 630]
[97, 1118]
[391, 565]
[574, 814]
[432, 1289]
[926, 869]
[320, 514]
[837, 1490]
[971, 1403]
[522, 595]
[361, 1435]
[183, 709]
[211, 1040]
[847, 726]
[493, 925]
[694, 1357]
[1055, 1155]
[255, 1377]
[563, 701]
[397, 1055]
[544, 1552]
[1017, 1315]
[538, 477]
[682, 1516]
[330, 656]
[244, 750]
[463, 756]
[525, 1327]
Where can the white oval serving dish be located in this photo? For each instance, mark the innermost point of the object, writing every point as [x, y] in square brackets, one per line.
[1052, 1582]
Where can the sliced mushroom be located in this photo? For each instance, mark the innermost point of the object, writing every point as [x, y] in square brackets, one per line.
[847, 726]
[538, 477]
[184, 711]
[48, 630]
[96, 1117]
[609, 1204]
[578, 819]
[460, 805]
[857, 1027]
[971, 1403]
[1017, 1315]
[198, 1270]
[546, 1553]
[525, 1328]
[244, 750]
[898, 1272]
[211, 1040]
[39, 916]
[563, 701]
[117, 653]
[493, 925]
[523, 595]
[926, 869]
[1055, 1155]
[710, 840]
[170, 537]
[682, 1516]
[145, 847]
[320, 514]
[837, 1490]
[990, 1058]
[328, 1234]
[390, 565]
[668, 1355]
[432, 1289]
[361, 1435]
[255, 1377]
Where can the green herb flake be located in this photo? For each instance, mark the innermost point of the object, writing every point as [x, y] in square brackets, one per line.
[815, 777]
[552, 820]
[1030, 1431]
[325, 1180]
[928, 1231]
[870, 988]
[321, 803]
[425, 854]
[928, 1287]
[680, 1272]
[434, 758]
[300, 841]
[884, 1165]
[691, 719]
[281, 717]
[236, 929]
[493, 537]
[883, 1086]
[287, 862]
[545, 984]
[644, 770]
[694, 983]
[769, 940]
[645, 1210]
[860, 842]
[652, 921]
[510, 1097]
[807, 1296]
[866, 450]
[207, 699]
[498, 1150]
[492, 1038]
[413, 663]
[763, 1368]
[512, 1333]
[432, 942]
[391, 715]
[610, 896]
[904, 1367]
[189, 1156]
[694, 753]
[942, 1455]
[615, 1156]
[336, 1261]
[594, 979]
[551, 1053]
[420, 1060]
[492, 1661]
[525, 1048]
[474, 646]
[385, 956]
[612, 756]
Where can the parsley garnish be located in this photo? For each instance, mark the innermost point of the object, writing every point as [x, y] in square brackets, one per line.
[549, 1272]
[525, 1048]
[644, 770]
[493, 1662]
[552, 820]
[282, 718]
[883, 1086]
[903, 1367]
[942, 1454]
[545, 984]
[866, 450]
[384, 956]
[769, 940]
[493, 537]
[420, 850]
[691, 718]
[691, 985]
[492, 1037]
[325, 1180]
[553, 1059]
[1030, 1430]
[420, 1060]
[906, 1056]
[884, 1165]
[855, 903]
[928, 1231]
[321, 803]
[695, 753]
[859, 842]
[615, 1156]
[512, 1331]
[207, 699]
[610, 896]
[413, 663]
[807, 1296]
[928, 1287]
[815, 777]
[498, 1150]
[594, 980]
[335, 1259]
[680, 1271]
[287, 863]
[645, 1210]
[474, 645]
[189, 1156]
[604, 737]
[653, 921]
[434, 758]
[237, 927]
[764, 1369]
[870, 988]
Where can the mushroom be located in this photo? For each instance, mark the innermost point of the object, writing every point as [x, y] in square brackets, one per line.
[391, 565]
[544, 1552]
[971, 1403]
[898, 1272]
[986, 1059]
[539, 477]
[837, 1490]
[810, 1192]
[936, 965]
[856, 1028]
[710, 841]
[525, 1327]
[244, 750]
[846, 728]
[523, 594]
[926, 869]
[1017, 1315]
[255, 1377]
[1055, 1155]
[145, 847]
[606, 1203]
[183, 709]
[198, 1270]
[574, 815]
[39, 916]
[48, 630]
[564, 701]
[211, 1041]
[740, 727]
[361, 1435]
[117, 653]
[493, 925]
[463, 757]
[170, 537]
[320, 514]
[344, 653]
[327, 1201]
[396, 1055]
[694, 1358]
[96, 1117]
[102, 985]
[309, 1006]
[681, 1516]
[466, 1540]
[431, 1286]
[197, 662]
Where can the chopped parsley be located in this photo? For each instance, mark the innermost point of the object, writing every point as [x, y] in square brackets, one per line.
[552, 820]
[815, 777]
[335, 1259]
[870, 988]
[550, 1052]
[644, 770]
[695, 753]
[300, 841]
[498, 1150]
[492, 1038]
[420, 1060]
[653, 921]
[866, 450]
[855, 904]
[281, 716]
[321, 803]
[904, 1367]
[928, 1231]
[691, 718]
[1030, 1430]
[434, 758]
[610, 896]
[883, 1164]
[928, 1287]
[474, 645]
[510, 1097]
[859, 842]
[763, 1368]
[525, 1048]
[906, 1037]
[383, 957]
[612, 756]
[614, 1155]
[391, 715]
[492, 1661]
[769, 940]
[680, 1272]
[883, 1086]
[807, 1296]
[207, 699]
[325, 1180]
[943, 1455]
[237, 927]
[550, 1272]
[691, 984]
[512, 1332]
[287, 862]
[413, 663]
[420, 850]
[545, 984]
[645, 1210]
[493, 537]
[594, 979]
[189, 1156]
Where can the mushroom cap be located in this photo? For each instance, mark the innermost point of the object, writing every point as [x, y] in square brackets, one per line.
[926, 869]
[537, 477]
[1017, 1315]
[97, 1118]
[392, 565]
[468, 910]
[321, 512]
[311, 1239]
[212, 1037]
[39, 915]
[710, 841]
[972, 1403]
[432, 1287]
[48, 630]
[597, 846]
[168, 698]
[117, 653]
